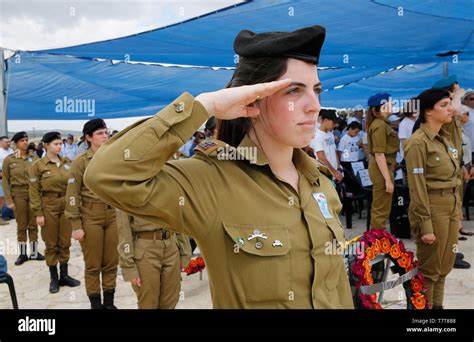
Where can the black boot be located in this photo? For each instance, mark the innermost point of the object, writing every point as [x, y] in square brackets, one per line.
[21, 259]
[23, 255]
[96, 302]
[109, 299]
[54, 284]
[65, 279]
[35, 255]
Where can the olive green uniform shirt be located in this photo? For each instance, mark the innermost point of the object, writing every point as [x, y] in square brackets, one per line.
[47, 176]
[433, 163]
[15, 172]
[382, 138]
[77, 191]
[265, 245]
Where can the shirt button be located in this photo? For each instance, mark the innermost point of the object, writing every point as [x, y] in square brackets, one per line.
[179, 107]
[258, 245]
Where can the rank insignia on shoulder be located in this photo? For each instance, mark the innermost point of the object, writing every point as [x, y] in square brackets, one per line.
[206, 145]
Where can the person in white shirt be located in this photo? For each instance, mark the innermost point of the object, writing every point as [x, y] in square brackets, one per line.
[350, 146]
[5, 150]
[324, 145]
[405, 129]
[358, 116]
[70, 149]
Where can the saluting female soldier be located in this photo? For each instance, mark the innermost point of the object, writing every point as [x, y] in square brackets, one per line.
[94, 223]
[15, 187]
[48, 181]
[383, 146]
[262, 215]
[433, 164]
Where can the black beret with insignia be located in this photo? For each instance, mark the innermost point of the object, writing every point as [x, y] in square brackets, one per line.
[303, 44]
[18, 136]
[50, 136]
[93, 125]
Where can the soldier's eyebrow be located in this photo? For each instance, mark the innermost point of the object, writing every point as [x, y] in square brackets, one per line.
[299, 84]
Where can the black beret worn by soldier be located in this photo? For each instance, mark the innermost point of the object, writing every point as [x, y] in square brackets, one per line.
[93, 125]
[261, 250]
[18, 136]
[50, 136]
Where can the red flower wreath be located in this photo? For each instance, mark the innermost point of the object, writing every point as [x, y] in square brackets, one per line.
[195, 265]
[377, 241]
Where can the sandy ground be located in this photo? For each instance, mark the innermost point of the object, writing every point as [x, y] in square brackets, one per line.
[32, 280]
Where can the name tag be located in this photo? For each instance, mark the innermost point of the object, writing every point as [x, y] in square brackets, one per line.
[323, 204]
[418, 170]
[71, 180]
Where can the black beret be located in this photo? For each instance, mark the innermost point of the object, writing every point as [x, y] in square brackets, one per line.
[18, 136]
[50, 136]
[304, 44]
[93, 125]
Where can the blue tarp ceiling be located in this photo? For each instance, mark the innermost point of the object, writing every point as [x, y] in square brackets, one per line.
[376, 36]
[40, 83]
[368, 32]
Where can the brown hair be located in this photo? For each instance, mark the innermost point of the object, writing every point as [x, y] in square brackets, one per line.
[372, 113]
[249, 71]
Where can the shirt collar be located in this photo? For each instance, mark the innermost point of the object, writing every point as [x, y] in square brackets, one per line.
[89, 153]
[432, 134]
[304, 163]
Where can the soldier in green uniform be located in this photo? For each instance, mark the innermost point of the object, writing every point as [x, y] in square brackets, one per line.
[258, 207]
[433, 164]
[47, 190]
[383, 146]
[15, 187]
[94, 223]
[150, 258]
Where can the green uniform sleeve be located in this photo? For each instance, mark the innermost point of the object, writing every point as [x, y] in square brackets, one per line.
[35, 189]
[125, 247]
[379, 138]
[185, 251]
[131, 172]
[73, 194]
[6, 181]
[415, 157]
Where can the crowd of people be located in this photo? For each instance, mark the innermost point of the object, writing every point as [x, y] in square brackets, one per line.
[136, 200]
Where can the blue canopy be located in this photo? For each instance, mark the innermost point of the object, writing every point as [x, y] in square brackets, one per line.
[359, 33]
[45, 87]
[371, 46]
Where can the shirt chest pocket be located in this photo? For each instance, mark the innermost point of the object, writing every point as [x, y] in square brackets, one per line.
[16, 169]
[436, 160]
[47, 179]
[259, 261]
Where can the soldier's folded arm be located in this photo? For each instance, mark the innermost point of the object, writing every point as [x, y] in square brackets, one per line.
[131, 172]
[73, 194]
[415, 157]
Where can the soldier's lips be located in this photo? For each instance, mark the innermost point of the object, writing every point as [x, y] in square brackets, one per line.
[310, 124]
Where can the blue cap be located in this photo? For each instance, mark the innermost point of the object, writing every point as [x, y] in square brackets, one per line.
[445, 82]
[378, 99]
[358, 108]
